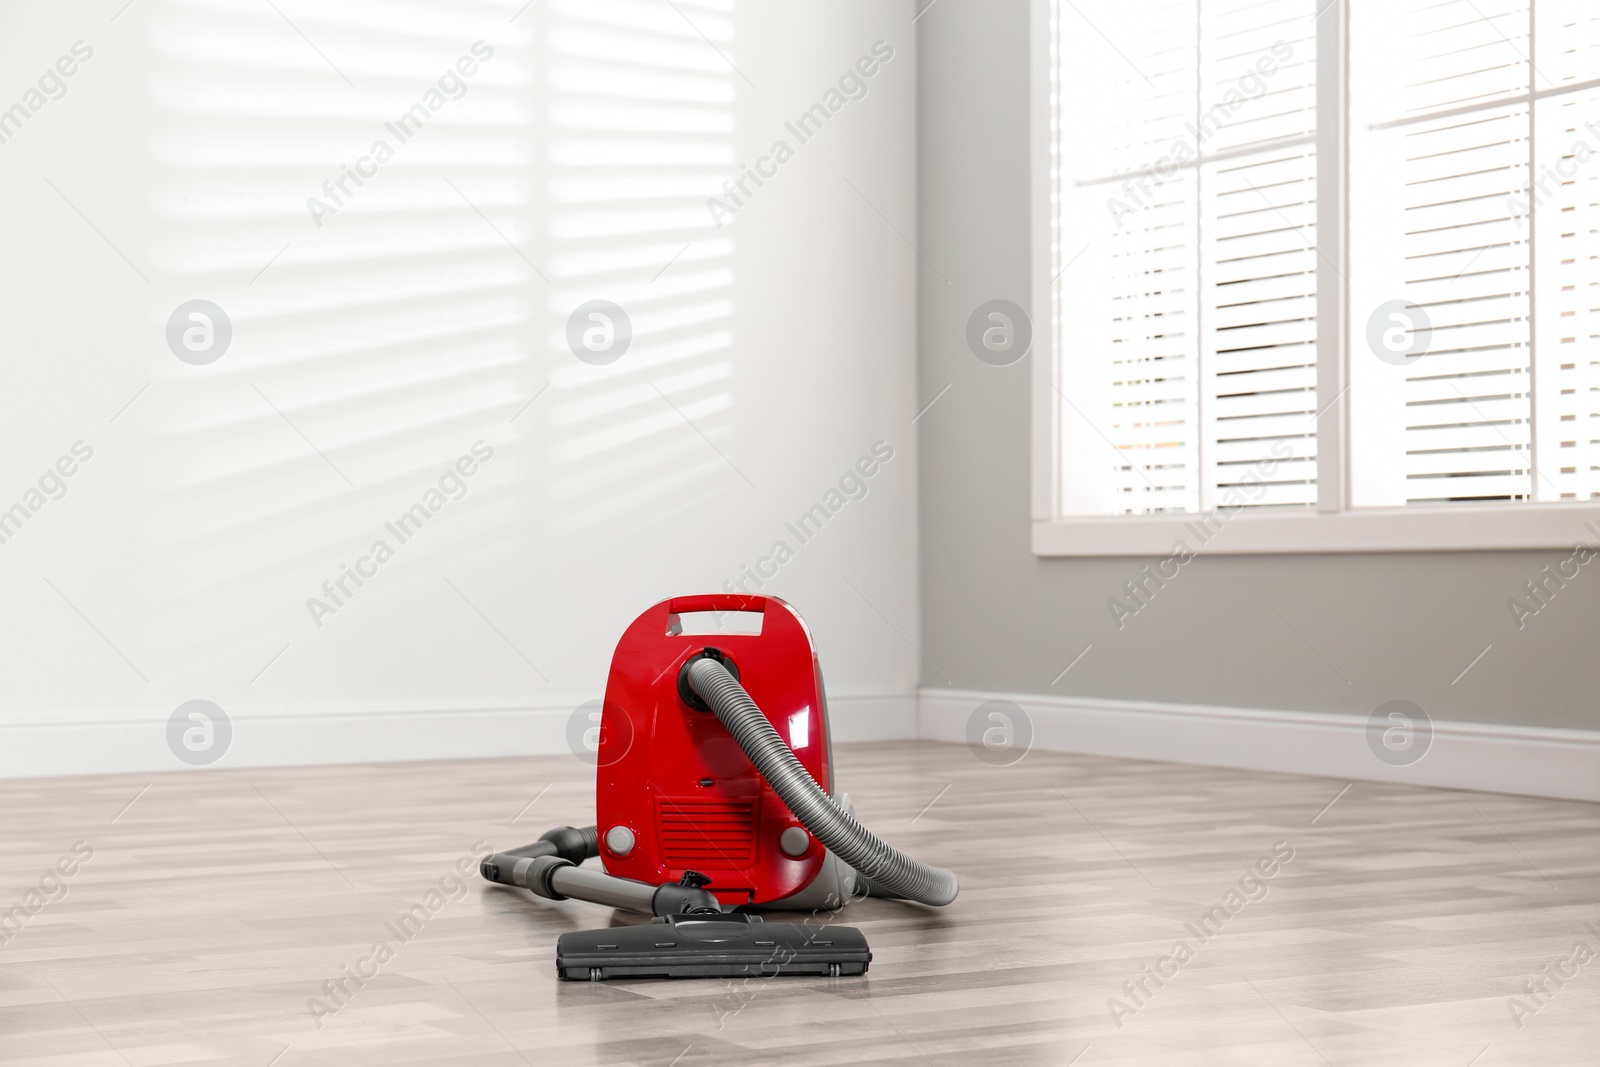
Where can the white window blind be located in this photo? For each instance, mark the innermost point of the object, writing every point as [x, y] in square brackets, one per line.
[1474, 136]
[1186, 270]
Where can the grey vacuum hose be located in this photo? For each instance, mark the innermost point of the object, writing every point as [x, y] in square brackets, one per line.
[889, 870]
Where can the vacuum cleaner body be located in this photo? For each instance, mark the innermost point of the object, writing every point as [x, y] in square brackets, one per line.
[715, 795]
[675, 793]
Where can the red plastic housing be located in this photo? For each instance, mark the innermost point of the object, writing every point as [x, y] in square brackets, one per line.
[676, 778]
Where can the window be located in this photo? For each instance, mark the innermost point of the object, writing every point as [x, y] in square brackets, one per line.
[1473, 221]
[1190, 190]
[1325, 272]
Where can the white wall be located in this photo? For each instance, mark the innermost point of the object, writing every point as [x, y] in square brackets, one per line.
[379, 347]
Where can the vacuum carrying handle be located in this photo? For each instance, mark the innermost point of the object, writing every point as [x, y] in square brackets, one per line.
[717, 602]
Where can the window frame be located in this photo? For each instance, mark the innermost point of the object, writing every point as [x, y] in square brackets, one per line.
[1333, 525]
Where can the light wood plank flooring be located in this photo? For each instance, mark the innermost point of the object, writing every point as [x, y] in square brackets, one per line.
[217, 904]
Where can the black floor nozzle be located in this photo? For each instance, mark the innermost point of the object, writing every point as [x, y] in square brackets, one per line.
[689, 945]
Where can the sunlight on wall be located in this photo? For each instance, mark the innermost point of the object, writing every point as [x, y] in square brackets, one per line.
[380, 325]
[642, 116]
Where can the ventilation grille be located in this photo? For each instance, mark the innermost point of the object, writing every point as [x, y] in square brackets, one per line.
[708, 833]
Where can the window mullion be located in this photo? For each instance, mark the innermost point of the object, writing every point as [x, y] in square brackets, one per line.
[1533, 255]
[1333, 248]
[1205, 432]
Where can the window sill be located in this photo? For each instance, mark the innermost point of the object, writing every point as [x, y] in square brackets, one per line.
[1417, 529]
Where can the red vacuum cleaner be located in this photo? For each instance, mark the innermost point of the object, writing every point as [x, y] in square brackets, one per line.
[715, 796]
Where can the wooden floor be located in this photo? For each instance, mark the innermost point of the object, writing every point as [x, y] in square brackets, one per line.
[1402, 930]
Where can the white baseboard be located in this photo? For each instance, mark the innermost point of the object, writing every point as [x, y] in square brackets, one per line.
[1505, 759]
[33, 747]
[1532, 761]
[887, 717]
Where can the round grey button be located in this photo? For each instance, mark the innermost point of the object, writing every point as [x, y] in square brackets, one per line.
[794, 841]
[619, 839]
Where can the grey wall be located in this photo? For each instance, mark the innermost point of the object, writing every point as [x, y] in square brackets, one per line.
[996, 617]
